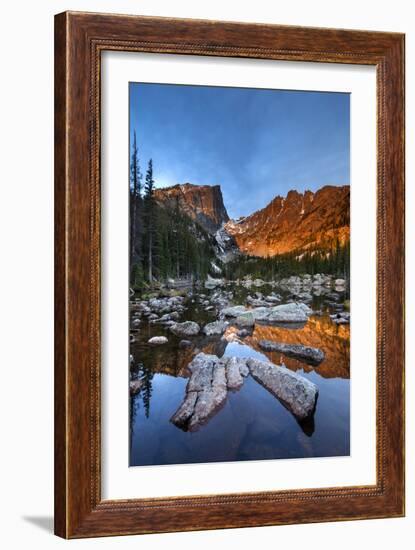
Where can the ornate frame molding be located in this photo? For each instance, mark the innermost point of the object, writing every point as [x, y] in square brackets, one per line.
[79, 40]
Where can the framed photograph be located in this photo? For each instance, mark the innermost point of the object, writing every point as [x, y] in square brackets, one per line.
[229, 280]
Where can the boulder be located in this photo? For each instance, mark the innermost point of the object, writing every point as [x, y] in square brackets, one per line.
[206, 392]
[313, 356]
[295, 312]
[289, 313]
[295, 392]
[187, 328]
[215, 328]
[157, 340]
[246, 320]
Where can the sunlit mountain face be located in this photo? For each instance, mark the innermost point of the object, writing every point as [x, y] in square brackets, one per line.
[298, 222]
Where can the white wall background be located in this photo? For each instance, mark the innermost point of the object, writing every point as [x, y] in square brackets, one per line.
[26, 300]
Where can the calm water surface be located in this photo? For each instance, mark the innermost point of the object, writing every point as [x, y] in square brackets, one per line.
[253, 424]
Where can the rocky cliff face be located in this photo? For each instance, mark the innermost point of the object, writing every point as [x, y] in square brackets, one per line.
[202, 203]
[299, 221]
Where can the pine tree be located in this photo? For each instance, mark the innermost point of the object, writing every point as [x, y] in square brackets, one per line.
[135, 194]
[150, 217]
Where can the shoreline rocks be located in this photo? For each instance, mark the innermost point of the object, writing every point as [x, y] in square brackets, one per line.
[313, 356]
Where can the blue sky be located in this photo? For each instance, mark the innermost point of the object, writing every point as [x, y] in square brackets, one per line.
[254, 143]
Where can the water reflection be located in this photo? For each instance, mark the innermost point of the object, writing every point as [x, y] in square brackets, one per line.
[252, 424]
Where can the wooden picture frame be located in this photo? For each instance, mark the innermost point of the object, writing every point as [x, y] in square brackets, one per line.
[79, 40]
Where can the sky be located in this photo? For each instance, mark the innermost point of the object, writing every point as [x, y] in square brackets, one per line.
[254, 143]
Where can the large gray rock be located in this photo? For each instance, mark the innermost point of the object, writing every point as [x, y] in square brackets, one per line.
[215, 328]
[295, 392]
[188, 328]
[284, 313]
[210, 399]
[289, 313]
[313, 356]
[205, 393]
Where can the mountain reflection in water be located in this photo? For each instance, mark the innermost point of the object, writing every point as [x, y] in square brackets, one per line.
[253, 424]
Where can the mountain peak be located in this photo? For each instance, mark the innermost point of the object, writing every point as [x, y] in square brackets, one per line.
[297, 222]
[202, 203]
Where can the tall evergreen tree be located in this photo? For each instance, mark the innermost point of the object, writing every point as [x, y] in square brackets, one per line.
[150, 217]
[135, 204]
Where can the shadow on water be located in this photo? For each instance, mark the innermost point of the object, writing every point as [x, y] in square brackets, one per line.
[252, 424]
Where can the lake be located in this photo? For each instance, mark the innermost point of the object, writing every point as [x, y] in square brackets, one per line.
[252, 424]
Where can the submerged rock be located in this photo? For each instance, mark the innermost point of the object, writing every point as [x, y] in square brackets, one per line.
[313, 356]
[187, 328]
[157, 340]
[295, 392]
[215, 328]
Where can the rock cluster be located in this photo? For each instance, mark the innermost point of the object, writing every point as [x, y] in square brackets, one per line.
[211, 378]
